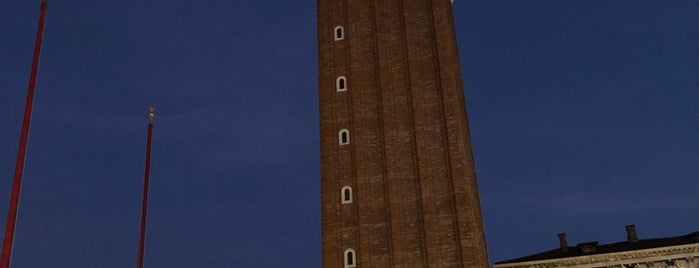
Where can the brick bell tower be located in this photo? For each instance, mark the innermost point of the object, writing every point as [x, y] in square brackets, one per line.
[398, 181]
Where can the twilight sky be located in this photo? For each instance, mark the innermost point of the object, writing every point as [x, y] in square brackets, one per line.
[584, 118]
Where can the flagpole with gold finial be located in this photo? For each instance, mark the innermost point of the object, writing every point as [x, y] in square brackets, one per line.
[21, 152]
[146, 178]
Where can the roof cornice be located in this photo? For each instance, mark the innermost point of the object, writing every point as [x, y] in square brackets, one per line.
[614, 258]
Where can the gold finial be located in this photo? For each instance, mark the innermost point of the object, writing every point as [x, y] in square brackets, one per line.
[151, 113]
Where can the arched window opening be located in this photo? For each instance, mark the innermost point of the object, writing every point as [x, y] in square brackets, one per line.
[341, 83]
[350, 258]
[344, 137]
[339, 33]
[346, 195]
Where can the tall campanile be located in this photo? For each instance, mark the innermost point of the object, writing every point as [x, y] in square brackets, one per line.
[398, 180]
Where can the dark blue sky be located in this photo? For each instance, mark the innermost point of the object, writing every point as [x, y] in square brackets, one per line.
[584, 118]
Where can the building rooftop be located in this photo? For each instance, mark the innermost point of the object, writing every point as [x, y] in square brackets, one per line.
[593, 248]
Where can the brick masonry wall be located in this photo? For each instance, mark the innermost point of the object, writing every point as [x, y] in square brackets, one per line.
[409, 162]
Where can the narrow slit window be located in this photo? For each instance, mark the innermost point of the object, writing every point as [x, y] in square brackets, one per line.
[344, 137]
[346, 195]
[341, 84]
[350, 258]
[339, 33]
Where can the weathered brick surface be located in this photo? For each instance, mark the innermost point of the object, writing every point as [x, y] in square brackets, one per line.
[410, 161]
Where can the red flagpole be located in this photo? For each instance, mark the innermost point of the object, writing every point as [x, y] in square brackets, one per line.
[146, 178]
[21, 153]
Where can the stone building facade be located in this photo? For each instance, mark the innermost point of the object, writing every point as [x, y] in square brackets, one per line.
[398, 182]
[669, 252]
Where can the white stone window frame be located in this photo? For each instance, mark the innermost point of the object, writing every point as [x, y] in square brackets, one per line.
[342, 141]
[342, 195]
[341, 35]
[342, 87]
[347, 259]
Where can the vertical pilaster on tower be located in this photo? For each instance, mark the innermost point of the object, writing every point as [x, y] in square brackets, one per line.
[409, 163]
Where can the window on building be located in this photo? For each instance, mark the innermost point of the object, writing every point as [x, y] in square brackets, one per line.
[341, 83]
[346, 195]
[350, 258]
[344, 137]
[339, 33]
